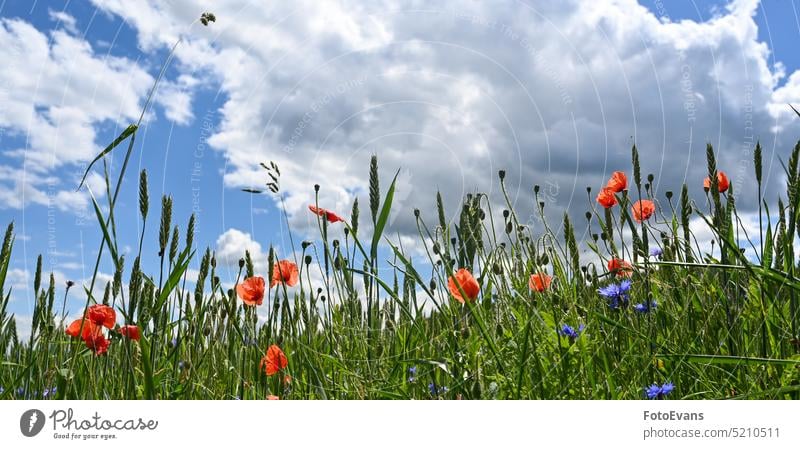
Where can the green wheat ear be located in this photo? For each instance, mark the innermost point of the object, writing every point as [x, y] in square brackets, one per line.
[354, 217]
[374, 189]
[144, 196]
[637, 171]
[190, 233]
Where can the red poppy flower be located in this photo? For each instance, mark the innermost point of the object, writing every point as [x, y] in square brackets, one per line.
[722, 182]
[251, 290]
[102, 315]
[88, 328]
[273, 361]
[540, 282]
[620, 267]
[285, 272]
[131, 331]
[272, 397]
[468, 284]
[606, 198]
[618, 182]
[97, 342]
[642, 210]
[325, 213]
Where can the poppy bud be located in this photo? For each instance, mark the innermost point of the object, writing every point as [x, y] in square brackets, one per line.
[589, 190]
[482, 214]
[588, 215]
[215, 281]
[502, 174]
[433, 285]
[336, 243]
[305, 244]
[308, 260]
[541, 205]
[241, 263]
[603, 236]
[669, 194]
[416, 213]
[70, 284]
[322, 298]
[536, 188]
[319, 291]
[509, 227]
[453, 240]
[503, 245]
[650, 178]
[346, 231]
[497, 269]
[316, 187]
[506, 213]
[595, 237]
[436, 248]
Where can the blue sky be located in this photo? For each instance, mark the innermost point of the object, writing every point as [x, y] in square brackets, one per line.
[448, 94]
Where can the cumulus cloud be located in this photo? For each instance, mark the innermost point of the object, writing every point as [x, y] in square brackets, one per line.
[57, 96]
[555, 93]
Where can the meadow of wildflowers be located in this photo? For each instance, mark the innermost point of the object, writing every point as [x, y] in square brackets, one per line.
[497, 311]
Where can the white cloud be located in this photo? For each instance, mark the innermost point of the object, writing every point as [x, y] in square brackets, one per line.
[58, 95]
[232, 245]
[552, 92]
[65, 20]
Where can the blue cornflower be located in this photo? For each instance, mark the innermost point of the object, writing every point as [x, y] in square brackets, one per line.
[49, 392]
[2, 390]
[617, 294]
[656, 252]
[173, 343]
[656, 392]
[570, 332]
[412, 374]
[432, 388]
[20, 392]
[645, 308]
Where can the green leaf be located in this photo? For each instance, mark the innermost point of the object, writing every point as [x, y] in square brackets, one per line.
[130, 130]
[728, 359]
[100, 219]
[383, 217]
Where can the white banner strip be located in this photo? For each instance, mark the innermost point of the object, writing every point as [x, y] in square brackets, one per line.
[378, 424]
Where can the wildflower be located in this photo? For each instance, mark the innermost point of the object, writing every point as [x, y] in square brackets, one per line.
[468, 284]
[656, 392]
[437, 391]
[75, 327]
[102, 315]
[618, 182]
[131, 331]
[273, 361]
[173, 343]
[49, 392]
[412, 374]
[20, 392]
[617, 294]
[540, 282]
[642, 210]
[251, 290]
[570, 332]
[722, 182]
[285, 272]
[326, 214]
[92, 334]
[98, 343]
[621, 267]
[272, 397]
[606, 198]
[656, 252]
[645, 307]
